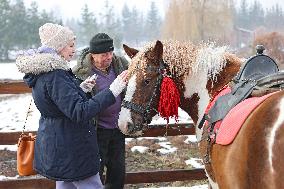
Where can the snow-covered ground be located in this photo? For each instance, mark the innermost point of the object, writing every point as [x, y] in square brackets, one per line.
[9, 71]
[14, 109]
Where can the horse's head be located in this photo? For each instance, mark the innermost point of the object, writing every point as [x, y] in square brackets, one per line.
[141, 99]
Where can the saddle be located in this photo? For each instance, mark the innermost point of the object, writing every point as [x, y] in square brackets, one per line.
[258, 76]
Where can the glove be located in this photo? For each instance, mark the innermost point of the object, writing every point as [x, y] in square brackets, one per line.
[88, 85]
[118, 84]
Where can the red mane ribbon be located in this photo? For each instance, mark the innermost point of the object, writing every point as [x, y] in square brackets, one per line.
[169, 99]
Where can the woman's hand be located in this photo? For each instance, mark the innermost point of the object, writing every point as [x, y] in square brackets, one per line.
[119, 83]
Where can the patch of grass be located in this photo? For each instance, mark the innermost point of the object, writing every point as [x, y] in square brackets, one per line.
[154, 160]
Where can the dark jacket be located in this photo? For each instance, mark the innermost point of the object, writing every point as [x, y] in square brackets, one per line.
[83, 69]
[66, 145]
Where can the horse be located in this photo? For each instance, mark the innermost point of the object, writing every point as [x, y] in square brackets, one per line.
[254, 160]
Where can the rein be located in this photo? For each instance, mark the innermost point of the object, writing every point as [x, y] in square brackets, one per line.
[145, 111]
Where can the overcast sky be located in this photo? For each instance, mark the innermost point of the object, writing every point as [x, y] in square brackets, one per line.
[68, 8]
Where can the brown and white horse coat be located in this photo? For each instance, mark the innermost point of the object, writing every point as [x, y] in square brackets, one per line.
[255, 158]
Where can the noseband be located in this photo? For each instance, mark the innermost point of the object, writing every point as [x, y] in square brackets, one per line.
[145, 111]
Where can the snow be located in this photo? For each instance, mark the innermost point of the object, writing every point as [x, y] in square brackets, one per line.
[13, 113]
[7, 178]
[9, 147]
[166, 148]
[151, 138]
[190, 138]
[194, 162]
[9, 71]
[141, 149]
[183, 118]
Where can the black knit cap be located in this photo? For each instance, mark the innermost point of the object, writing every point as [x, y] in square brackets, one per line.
[101, 43]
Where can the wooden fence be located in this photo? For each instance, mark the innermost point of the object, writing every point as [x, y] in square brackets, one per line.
[38, 182]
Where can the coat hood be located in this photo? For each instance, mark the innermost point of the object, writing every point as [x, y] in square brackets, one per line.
[40, 63]
[35, 64]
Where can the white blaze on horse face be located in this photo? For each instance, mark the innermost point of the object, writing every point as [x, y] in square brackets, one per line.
[125, 114]
[272, 136]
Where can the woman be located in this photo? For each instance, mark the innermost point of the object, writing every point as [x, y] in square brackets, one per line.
[66, 147]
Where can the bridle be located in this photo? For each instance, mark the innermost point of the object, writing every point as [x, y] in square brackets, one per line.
[145, 111]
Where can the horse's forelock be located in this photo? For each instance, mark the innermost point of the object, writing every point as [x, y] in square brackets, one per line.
[138, 64]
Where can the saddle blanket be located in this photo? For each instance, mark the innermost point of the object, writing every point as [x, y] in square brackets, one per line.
[227, 129]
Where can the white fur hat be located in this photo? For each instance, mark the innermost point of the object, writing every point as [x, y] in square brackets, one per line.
[55, 36]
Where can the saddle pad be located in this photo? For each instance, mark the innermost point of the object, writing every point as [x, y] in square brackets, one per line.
[228, 128]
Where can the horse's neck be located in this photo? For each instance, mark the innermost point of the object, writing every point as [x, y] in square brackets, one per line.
[198, 89]
[197, 94]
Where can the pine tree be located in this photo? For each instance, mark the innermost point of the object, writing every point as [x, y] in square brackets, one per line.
[243, 16]
[256, 15]
[88, 26]
[126, 22]
[274, 19]
[111, 25]
[153, 22]
[5, 12]
[34, 22]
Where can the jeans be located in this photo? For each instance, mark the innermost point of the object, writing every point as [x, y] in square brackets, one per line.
[92, 182]
[112, 152]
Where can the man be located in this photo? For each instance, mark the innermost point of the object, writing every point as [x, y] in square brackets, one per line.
[99, 59]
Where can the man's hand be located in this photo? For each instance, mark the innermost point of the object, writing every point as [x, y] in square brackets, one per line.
[88, 84]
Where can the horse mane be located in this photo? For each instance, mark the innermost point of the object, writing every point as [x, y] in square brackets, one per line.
[185, 58]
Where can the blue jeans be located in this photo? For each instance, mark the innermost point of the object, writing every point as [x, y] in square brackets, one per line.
[112, 152]
[93, 182]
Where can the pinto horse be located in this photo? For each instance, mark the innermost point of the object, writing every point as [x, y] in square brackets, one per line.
[255, 159]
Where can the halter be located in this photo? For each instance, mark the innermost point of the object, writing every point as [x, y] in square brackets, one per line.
[145, 111]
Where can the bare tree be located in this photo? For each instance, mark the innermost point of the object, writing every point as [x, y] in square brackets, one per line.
[199, 20]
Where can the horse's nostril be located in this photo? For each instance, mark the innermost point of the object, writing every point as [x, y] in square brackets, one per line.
[138, 121]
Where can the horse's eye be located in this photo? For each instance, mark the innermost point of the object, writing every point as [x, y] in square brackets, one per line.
[147, 81]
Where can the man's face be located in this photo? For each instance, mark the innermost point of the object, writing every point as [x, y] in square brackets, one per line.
[102, 60]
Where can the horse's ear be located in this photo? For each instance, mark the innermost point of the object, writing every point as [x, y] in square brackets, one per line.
[158, 50]
[131, 52]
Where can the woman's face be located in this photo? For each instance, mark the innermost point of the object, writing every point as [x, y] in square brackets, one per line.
[68, 51]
